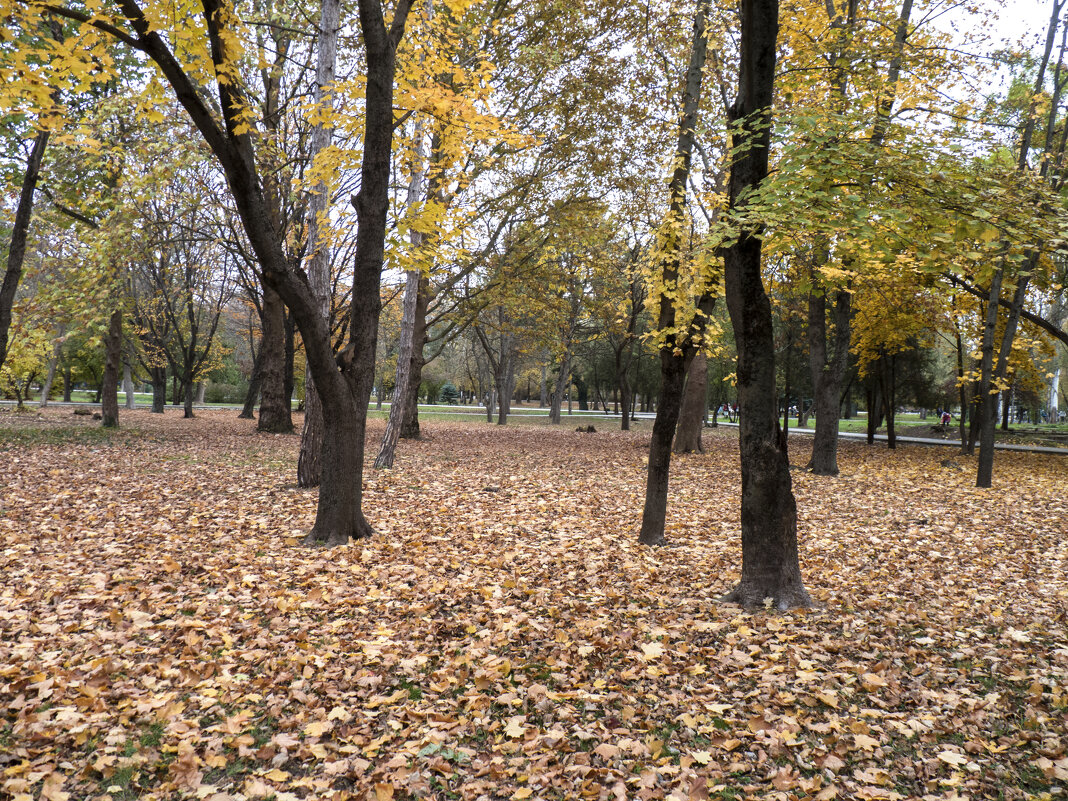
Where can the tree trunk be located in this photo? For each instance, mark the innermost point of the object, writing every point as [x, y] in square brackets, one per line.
[543, 390]
[692, 414]
[654, 513]
[67, 385]
[770, 568]
[410, 424]
[309, 464]
[407, 346]
[827, 371]
[53, 363]
[889, 366]
[16, 252]
[159, 389]
[678, 349]
[187, 394]
[109, 387]
[563, 380]
[127, 383]
[276, 416]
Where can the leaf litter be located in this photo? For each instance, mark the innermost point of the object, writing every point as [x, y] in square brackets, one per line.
[503, 636]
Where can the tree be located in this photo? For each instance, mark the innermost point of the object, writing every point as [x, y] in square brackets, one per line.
[770, 568]
[680, 337]
[229, 132]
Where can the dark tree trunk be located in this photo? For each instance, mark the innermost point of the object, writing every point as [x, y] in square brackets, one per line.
[344, 391]
[692, 414]
[276, 415]
[654, 514]
[1004, 411]
[109, 387]
[159, 389]
[410, 426]
[563, 385]
[827, 372]
[770, 568]
[889, 366]
[66, 380]
[188, 391]
[874, 396]
[253, 393]
[16, 252]
[582, 390]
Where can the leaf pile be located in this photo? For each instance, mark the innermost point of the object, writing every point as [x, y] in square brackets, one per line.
[503, 636]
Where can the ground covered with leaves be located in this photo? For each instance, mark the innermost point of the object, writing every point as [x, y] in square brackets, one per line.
[163, 635]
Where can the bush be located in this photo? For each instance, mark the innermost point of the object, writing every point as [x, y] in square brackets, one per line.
[450, 394]
[225, 393]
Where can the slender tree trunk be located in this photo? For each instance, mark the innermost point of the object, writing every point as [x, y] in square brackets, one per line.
[770, 568]
[67, 385]
[53, 363]
[543, 397]
[406, 347]
[276, 416]
[410, 425]
[127, 382]
[309, 465]
[563, 380]
[692, 414]
[112, 359]
[16, 252]
[253, 393]
[677, 351]
[490, 403]
[890, 398]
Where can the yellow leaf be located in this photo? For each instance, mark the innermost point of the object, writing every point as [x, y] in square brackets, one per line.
[383, 792]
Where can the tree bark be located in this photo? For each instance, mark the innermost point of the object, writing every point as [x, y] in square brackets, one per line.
[770, 569]
[410, 425]
[276, 415]
[827, 372]
[678, 349]
[53, 364]
[253, 394]
[309, 464]
[563, 383]
[127, 383]
[16, 252]
[692, 413]
[407, 346]
[109, 388]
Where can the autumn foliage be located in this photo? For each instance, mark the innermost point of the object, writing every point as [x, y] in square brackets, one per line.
[504, 636]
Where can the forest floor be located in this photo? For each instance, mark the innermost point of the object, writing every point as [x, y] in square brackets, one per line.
[163, 635]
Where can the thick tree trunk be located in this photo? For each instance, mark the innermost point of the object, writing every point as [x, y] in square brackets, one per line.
[16, 252]
[109, 387]
[188, 389]
[692, 414]
[276, 416]
[158, 376]
[770, 568]
[827, 372]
